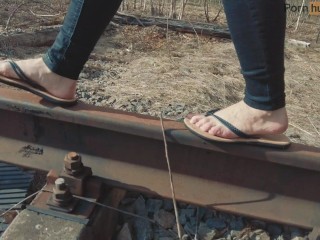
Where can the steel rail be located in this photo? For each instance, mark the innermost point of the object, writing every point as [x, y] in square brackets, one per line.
[126, 150]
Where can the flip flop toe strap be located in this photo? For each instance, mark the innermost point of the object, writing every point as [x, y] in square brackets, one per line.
[23, 77]
[228, 125]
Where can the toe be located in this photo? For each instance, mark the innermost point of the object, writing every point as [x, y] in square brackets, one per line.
[202, 121]
[222, 132]
[214, 131]
[206, 126]
[196, 119]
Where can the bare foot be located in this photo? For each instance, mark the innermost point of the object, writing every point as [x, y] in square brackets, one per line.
[247, 119]
[38, 71]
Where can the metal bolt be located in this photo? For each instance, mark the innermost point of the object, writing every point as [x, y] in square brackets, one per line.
[61, 193]
[74, 156]
[60, 184]
[73, 164]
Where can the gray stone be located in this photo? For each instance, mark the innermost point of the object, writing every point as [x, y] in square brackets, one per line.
[167, 205]
[245, 237]
[216, 223]
[263, 236]
[236, 224]
[228, 237]
[295, 232]
[201, 212]
[166, 238]
[154, 205]
[182, 205]
[208, 215]
[258, 231]
[258, 224]
[226, 217]
[280, 237]
[124, 233]
[259, 235]
[175, 230]
[274, 230]
[163, 233]
[191, 206]
[188, 212]
[140, 206]
[297, 238]
[183, 219]
[193, 221]
[185, 237]
[205, 233]
[142, 228]
[235, 233]
[189, 229]
[165, 219]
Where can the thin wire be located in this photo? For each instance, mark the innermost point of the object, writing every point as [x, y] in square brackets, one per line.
[30, 196]
[115, 209]
[15, 205]
[109, 207]
[90, 201]
[118, 210]
[170, 177]
[197, 223]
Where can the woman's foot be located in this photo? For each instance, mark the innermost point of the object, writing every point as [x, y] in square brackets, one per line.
[249, 120]
[38, 71]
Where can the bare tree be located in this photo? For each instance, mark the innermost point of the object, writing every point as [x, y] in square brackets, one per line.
[173, 9]
[122, 5]
[183, 6]
[206, 9]
[160, 7]
[152, 8]
[144, 5]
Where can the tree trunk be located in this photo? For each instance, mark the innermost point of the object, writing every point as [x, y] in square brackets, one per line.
[152, 8]
[144, 5]
[183, 6]
[206, 9]
[173, 9]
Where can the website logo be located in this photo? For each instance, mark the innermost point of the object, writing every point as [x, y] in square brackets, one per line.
[313, 8]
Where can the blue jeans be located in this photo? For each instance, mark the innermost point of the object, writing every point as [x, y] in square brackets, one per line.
[83, 25]
[257, 29]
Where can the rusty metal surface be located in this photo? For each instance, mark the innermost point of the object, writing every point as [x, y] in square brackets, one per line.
[80, 211]
[126, 150]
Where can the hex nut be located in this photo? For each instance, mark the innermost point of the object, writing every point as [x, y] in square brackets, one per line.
[72, 161]
[62, 197]
[73, 165]
[73, 156]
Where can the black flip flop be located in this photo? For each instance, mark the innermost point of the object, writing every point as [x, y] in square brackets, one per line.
[274, 140]
[29, 85]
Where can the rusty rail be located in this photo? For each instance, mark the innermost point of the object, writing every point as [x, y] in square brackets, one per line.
[126, 150]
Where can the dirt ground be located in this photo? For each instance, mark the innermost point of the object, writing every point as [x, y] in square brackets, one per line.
[149, 70]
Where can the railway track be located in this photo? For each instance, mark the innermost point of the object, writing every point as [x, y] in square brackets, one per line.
[125, 150]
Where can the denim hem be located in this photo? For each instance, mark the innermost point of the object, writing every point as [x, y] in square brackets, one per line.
[271, 105]
[53, 67]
